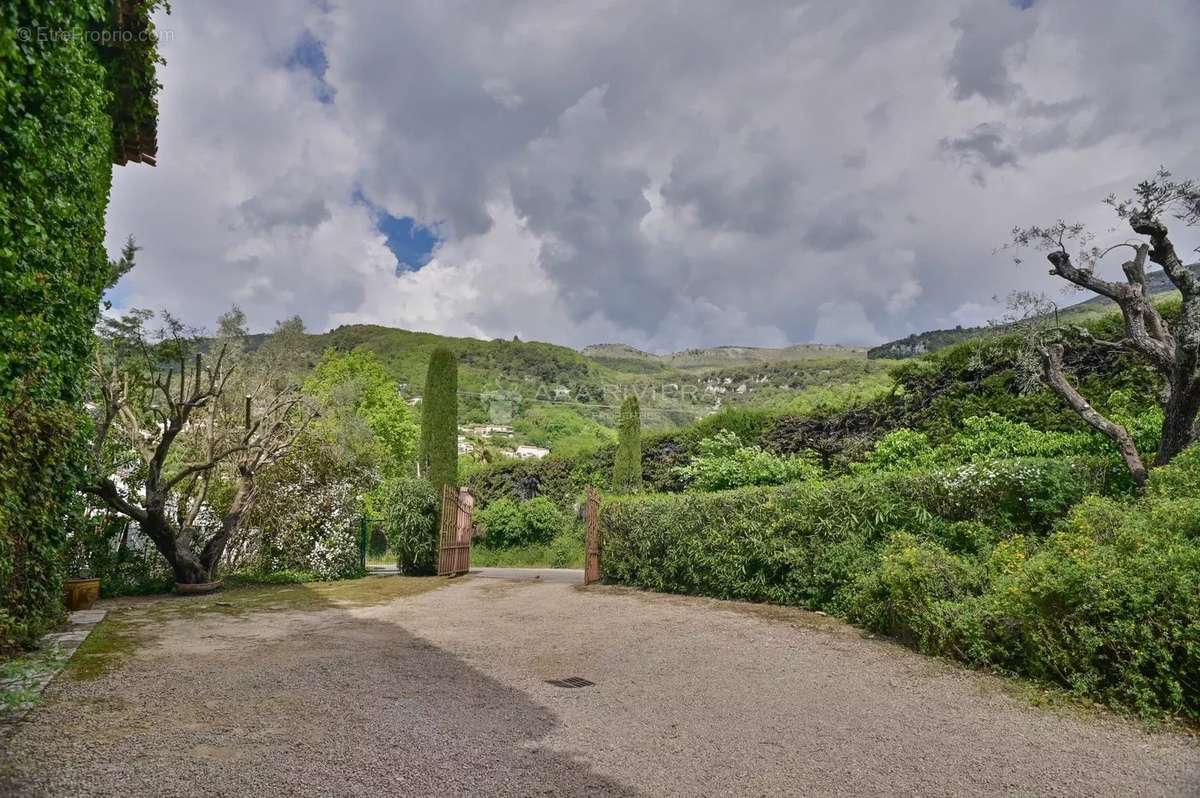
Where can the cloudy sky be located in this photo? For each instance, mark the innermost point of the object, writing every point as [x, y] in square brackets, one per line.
[664, 174]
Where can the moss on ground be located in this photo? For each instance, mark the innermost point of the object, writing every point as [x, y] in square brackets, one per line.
[367, 591]
[127, 627]
[109, 644]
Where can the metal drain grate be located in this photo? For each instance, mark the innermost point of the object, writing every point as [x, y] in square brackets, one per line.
[571, 681]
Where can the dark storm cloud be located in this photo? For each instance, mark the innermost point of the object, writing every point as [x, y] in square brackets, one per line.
[990, 31]
[985, 144]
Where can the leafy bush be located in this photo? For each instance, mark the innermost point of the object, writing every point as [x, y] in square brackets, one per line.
[807, 542]
[335, 552]
[993, 436]
[362, 415]
[725, 462]
[899, 450]
[503, 523]
[1181, 479]
[410, 508]
[509, 524]
[542, 520]
[306, 515]
[912, 594]
[1108, 606]
[439, 420]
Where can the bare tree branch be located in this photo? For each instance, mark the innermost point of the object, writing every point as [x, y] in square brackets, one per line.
[1057, 380]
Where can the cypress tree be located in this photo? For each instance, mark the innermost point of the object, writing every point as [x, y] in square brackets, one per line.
[627, 469]
[439, 421]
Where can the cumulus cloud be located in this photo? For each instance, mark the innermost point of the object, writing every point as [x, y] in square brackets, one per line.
[664, 175]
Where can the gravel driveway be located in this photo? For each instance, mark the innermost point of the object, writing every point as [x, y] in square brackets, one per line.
[445, 693]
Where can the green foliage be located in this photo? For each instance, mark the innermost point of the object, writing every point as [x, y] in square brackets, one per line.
[439, 420]
[543, 520]
[749, 425]
[509, 524]
[913, 593]
[627, 465]
[725, 462]
[409, 508]
[56, 144]
[305, 516]
[563, 430]
[564, 551]
[131, 61]
[985, 439]
[558, 478]
[900, 450]
[806, 542]
[503, 523]
[1179, 479]
[106, 546]
[361, 409]
[993, 436]
[42, 446]
[1107, 606]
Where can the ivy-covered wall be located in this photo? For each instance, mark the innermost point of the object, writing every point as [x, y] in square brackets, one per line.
[56, 147]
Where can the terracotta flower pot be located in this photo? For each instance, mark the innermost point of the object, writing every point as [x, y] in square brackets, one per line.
[82, 593]
[198, 588]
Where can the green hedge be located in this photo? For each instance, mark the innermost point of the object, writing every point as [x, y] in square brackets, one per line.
[806, 543]
[1012, 565]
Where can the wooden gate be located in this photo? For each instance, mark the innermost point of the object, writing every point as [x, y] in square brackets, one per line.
[454, 554]
[591, 515]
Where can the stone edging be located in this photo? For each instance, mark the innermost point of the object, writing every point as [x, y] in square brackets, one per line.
[62, 645]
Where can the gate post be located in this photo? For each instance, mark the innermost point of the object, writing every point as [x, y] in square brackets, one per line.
[592, 571]
[364, 541]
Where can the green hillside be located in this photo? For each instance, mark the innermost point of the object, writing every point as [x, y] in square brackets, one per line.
[565, 400]
[934, 396]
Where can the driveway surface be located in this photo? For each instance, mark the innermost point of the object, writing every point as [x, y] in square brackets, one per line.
[446, 692]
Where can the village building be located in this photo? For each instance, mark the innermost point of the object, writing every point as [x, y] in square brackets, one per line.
[528, 452]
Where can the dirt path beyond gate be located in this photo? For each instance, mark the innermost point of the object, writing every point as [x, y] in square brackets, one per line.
[395, 686]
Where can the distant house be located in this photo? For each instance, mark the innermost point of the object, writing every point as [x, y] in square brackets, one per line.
[527, 452]
[465, 446]
[487, 430]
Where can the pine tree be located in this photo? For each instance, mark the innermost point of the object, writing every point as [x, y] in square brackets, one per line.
[627, 469]
[439, 421]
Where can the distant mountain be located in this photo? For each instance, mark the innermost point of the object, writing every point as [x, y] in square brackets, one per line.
[933, 340]
[622, 356]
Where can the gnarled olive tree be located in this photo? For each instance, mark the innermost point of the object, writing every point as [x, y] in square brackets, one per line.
[1171, 347]
[176, 447]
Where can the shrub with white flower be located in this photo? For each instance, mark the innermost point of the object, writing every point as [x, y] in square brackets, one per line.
[335, 554]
